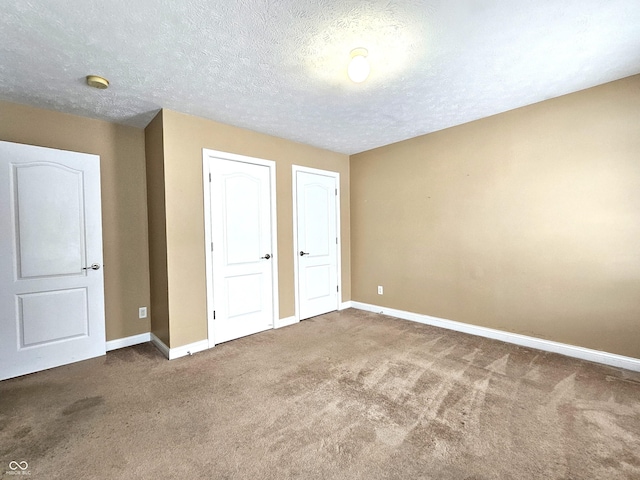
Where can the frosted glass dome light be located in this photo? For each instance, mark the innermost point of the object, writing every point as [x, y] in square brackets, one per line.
[359, 68]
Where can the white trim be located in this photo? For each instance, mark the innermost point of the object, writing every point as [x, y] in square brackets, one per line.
[189, 349]
[160, 345]
[294, 185]
[285, 322]
[208, 254]
[207, 157]
[345, 305]
[128, 341]
[597, 356]
[183, 351]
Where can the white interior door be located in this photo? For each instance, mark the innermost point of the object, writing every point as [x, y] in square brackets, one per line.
[317, 242]
[241, 201]
[51, 283]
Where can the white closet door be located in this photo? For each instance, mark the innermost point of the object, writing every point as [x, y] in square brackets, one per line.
[317, 241]
[243, 256]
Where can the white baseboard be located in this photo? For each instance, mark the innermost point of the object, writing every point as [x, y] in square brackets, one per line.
[189, 349]
[183, 351]
[345, 305]
[128, 341]
[597, 356]
[160, 345]
[285, 322]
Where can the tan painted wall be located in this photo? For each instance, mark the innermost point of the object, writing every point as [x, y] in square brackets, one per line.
[154, 150]
[528, 221]
[124, 211]
[184, 138]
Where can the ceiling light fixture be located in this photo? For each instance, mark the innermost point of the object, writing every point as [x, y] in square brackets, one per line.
[97, 82]
[359, 68]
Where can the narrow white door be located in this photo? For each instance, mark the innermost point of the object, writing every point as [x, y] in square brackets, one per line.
[317, 243]
[243, 253]
[51, 283]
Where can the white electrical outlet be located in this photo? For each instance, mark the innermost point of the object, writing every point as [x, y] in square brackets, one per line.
[380, 290]
[142, 312]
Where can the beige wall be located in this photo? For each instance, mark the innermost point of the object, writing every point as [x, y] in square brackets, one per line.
[527, 221]
[184, 138]
[124, 212]
[154, 151]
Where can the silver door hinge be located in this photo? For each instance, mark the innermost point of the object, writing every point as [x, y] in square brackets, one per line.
[336, 192]
[337, 289]
[212, 246]
[209, 177]
[214, 314]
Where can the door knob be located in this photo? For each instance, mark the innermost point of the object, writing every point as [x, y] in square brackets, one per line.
[95, 266]
[266, 257]
[302, 254]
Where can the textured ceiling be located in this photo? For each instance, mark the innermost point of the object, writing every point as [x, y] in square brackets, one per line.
[279, 66]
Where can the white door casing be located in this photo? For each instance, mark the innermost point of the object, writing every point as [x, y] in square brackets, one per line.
[240, 235]
[316, 214]
[51, 300]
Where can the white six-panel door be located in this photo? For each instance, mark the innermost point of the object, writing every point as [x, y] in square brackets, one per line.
[316, 232]
[242, 247]
[51, 298]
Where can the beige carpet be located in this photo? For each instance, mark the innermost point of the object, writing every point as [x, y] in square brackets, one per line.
[349, 395]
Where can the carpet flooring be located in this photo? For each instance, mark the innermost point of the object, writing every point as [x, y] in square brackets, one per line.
[347, 395]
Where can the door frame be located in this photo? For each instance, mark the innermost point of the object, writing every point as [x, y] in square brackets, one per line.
[208, 157]
[327, 173]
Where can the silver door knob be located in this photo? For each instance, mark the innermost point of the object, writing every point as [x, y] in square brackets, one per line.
[95, 266]
[266, 257]
[302, 254]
